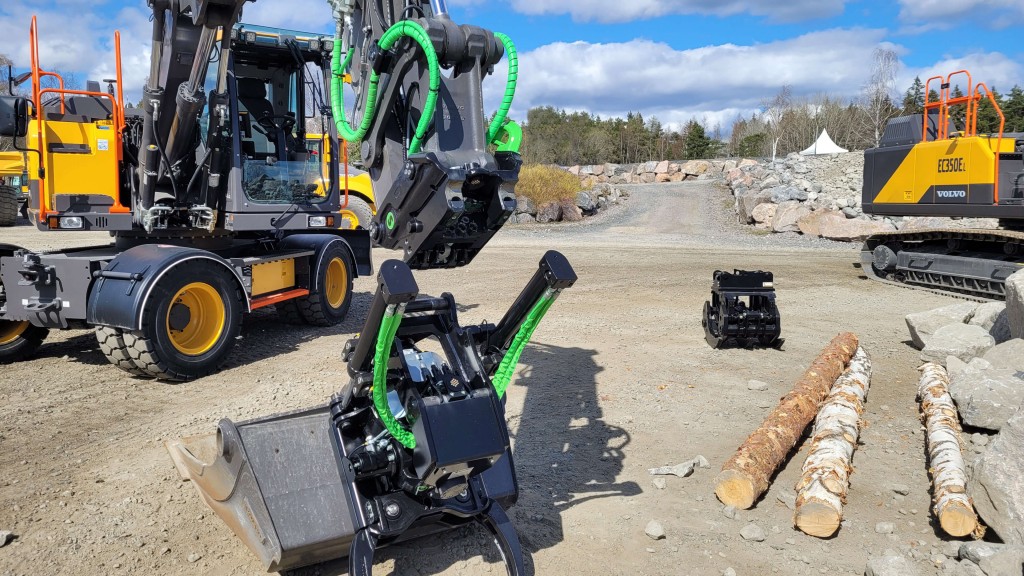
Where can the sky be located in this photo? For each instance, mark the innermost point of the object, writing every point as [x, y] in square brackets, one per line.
[709, 60]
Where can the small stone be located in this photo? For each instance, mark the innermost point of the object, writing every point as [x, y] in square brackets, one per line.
[659, 483]
[757, 385]
[655, 530]
[885, 528]
[979, 439]
[753, 532]
[890, 565]
[791, 541]
[900, 489]
[728, 572]
[193, 557]
[5, 537]
[788, 498]
[730, 512]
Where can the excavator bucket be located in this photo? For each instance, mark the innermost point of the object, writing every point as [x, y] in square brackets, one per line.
[275, 482]
[742, 310]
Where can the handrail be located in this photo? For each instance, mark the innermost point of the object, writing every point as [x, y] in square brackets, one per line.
[999, 140]
[928, 105]
[60, 83]
[33, 39]
[967, 99]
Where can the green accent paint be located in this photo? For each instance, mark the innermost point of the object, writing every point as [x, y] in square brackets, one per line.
[385, 341]
[389, 220]
[509, 138]
[510, 88]
[503, 376]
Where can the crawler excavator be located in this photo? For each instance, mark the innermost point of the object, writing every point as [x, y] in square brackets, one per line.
[928, 165]
[415, 442]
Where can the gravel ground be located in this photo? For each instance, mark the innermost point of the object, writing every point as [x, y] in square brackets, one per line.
[617, 380]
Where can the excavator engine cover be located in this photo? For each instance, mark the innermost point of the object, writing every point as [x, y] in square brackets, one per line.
[742, 310]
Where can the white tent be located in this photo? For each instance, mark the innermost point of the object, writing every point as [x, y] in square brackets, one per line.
[823, 145]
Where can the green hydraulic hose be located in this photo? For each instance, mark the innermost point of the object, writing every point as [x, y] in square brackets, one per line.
[385, 340]
[405, 28]
[503, 376]
[510, 88]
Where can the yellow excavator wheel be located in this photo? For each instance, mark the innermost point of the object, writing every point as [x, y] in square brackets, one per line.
[195, 319]
[11, 331]
[336, 285]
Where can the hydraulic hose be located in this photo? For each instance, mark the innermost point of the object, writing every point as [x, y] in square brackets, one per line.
[385, 340]
[510, 88]
[403, 29]
[503, 376]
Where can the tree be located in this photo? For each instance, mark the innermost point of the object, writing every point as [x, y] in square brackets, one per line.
[1013, 110]
[877, 93]
[913, 99]
[774, 111]
[698, 145]
[988, 119]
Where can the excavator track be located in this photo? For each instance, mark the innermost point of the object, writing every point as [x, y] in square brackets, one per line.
[967, 263]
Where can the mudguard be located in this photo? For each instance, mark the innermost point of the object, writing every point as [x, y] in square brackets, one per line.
[356, 241]
[121, 290]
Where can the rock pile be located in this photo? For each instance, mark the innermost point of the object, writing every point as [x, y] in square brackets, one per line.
[586, 203]
[817, 196]
[983, 351]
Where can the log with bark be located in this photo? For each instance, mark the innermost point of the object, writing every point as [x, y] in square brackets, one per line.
[952, 505]
[821, 490]
[745, 476]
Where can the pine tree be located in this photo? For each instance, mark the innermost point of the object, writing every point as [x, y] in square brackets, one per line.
[988, 119]
[1013, 110]
[913, 99]
[698, 145]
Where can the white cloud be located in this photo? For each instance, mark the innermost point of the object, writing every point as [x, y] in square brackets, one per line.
[302, 15]
[675, 85]
[622, 11]
[993, 68]
[943, 14]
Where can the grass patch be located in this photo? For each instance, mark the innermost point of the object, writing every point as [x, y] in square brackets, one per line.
[543, 183]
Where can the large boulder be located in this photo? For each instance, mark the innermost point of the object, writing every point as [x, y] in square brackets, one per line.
[696, 167]
[782, 194]
[997, 485]
[993, 559]
[961, 340]
[549, 212]
[837, 227]
[525, 206]
[585, 201]
[1015, 303]
[745, 204]
[662, 167]
[986, 396]
[1008, 355]
[570, 211]
[662, 177]
[763, 214]
[787, 215]
[811, 223]
[992, 317]
[924, 324]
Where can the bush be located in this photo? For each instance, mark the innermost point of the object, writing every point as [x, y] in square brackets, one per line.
[544, 183]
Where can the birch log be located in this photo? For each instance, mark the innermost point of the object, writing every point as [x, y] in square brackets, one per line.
[746, 475]
[952, 505]
[821, 490]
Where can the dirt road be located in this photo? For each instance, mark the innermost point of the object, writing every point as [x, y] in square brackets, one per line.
[617, 380]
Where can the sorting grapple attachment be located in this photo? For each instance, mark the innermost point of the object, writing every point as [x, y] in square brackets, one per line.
[416, 442]
[742, 310]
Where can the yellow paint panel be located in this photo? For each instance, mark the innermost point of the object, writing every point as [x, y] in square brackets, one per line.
[94, 172]
[273, 276]
[955, 162]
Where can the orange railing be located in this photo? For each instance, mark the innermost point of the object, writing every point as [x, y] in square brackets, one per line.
[971, 100]
[117, 114]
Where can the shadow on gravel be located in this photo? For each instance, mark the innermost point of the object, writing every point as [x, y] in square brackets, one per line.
[564, 455]
[81, 349]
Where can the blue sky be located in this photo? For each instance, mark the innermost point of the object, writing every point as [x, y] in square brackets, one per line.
[674, 59]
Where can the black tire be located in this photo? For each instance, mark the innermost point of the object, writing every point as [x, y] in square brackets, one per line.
[318, 308]
[158, 353]
[9, 205]
[362, 210]
[111, 341]
[18, 340]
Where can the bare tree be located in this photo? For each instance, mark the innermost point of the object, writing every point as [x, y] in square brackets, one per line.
[879, 92]
[774, 111]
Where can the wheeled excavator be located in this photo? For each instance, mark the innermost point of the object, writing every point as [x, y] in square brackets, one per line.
[937, 164]
[416, 442]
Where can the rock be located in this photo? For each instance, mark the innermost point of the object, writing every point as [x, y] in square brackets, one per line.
[757, 385]
[549, 212]
[597, 170]
[890, 565]
[193, 557]
[954, 367]
[763, 214]
[923, 324]
[986, 396]
[746, 203]
[655, 530]
[5, 537]
[1015, 303]
[730, 512]
[571, 212]
[695, 167]
[782, 194]
[662, 178]
[770, 182]
[677, 177]
[659, 483]
[648, 177]
[682, 470]
[746, 162]
[787, 497]
[992, 317]
[962, 568]
[522, 219]
[997, 485]
[728, 572]
[575, 170]
[787, 215]
[525, 206]
[662, 167]
[838, 227]
[1008, 355]
[902, 489]
[885, 528]
[961, 340]
[752, 532]
[994, 559]
[811, 223]
[585, 202]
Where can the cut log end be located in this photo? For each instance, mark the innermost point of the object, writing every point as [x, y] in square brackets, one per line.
[958, 520]
[735, 489]
[817, 519]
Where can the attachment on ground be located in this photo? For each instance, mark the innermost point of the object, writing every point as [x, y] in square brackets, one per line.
[742, 310]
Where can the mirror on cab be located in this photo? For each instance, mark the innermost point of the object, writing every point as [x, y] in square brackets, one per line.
[13, 116]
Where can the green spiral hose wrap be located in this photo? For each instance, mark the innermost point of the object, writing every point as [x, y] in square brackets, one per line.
[503, 376]
[385, 341]
[510, 88]
[405, 28]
